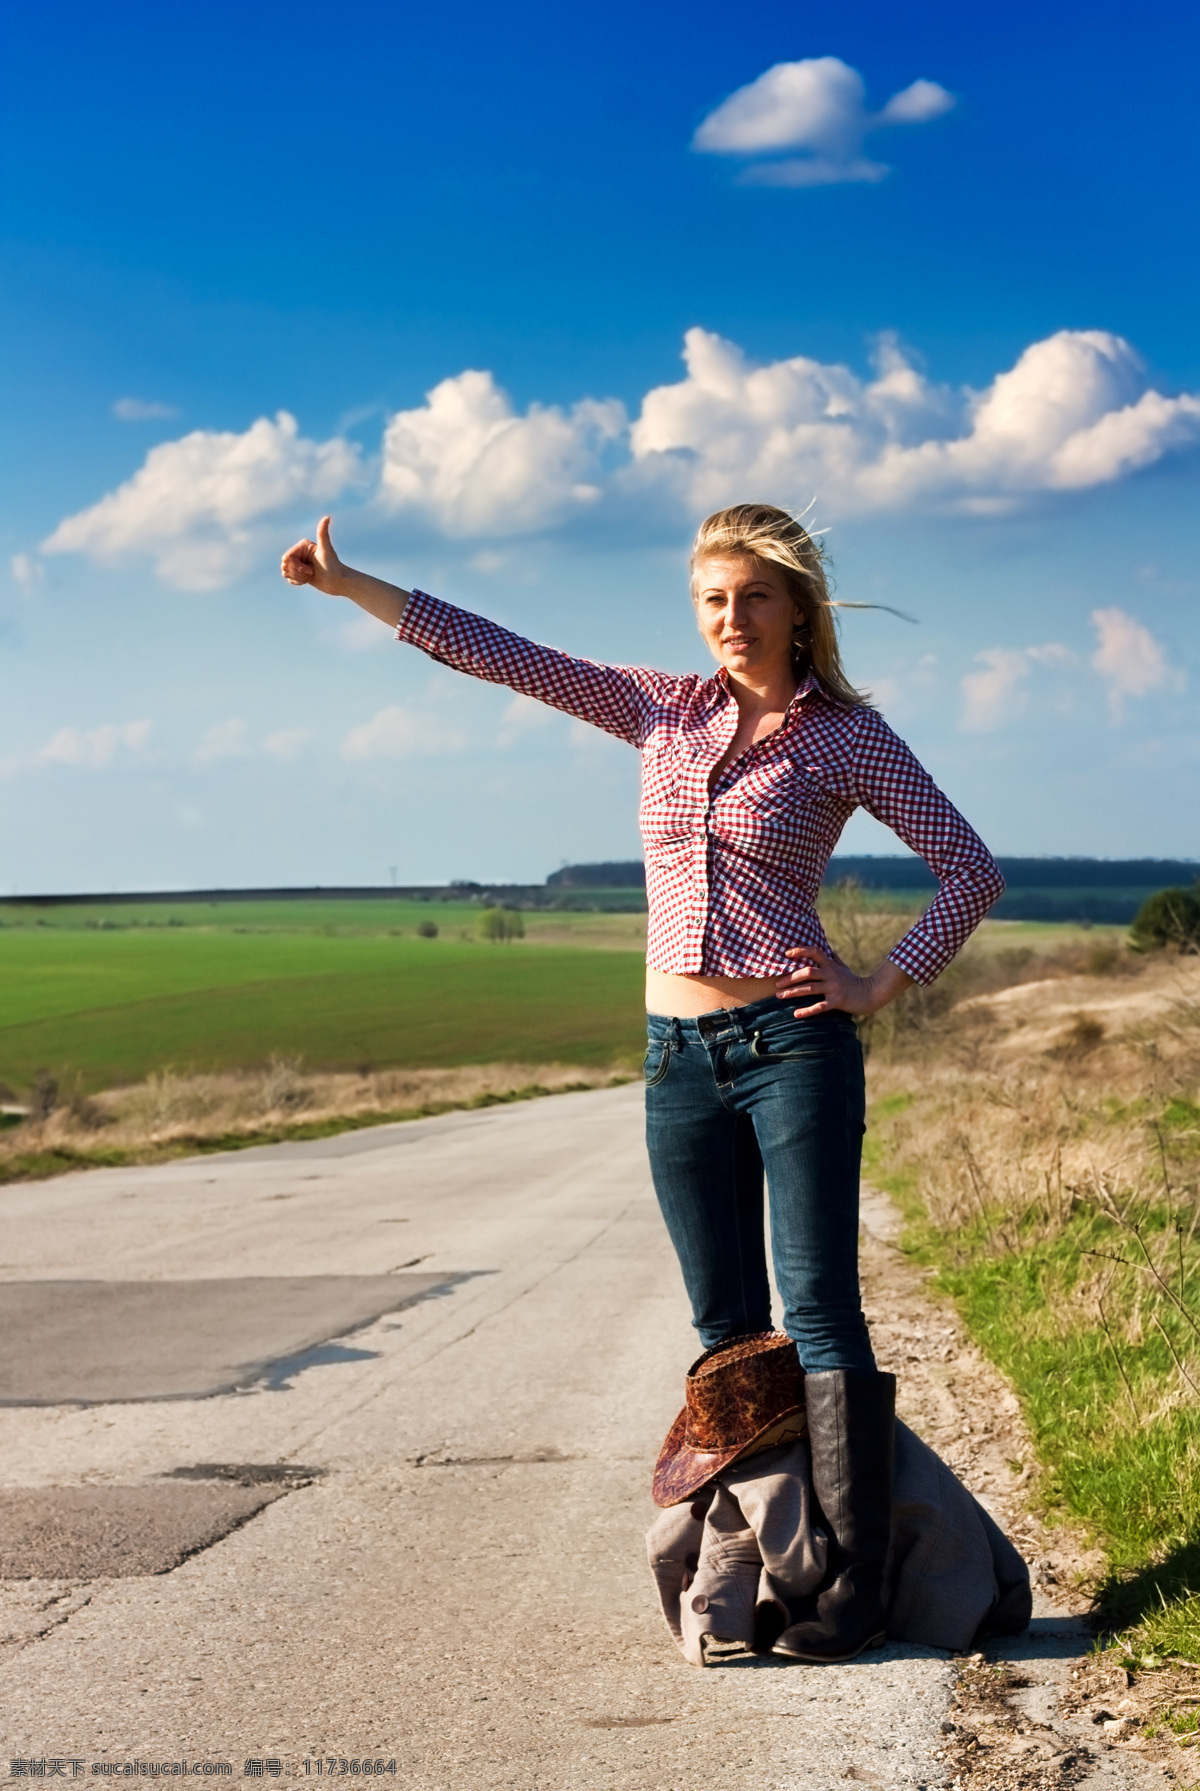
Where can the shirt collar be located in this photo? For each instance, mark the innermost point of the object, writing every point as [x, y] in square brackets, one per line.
[808, 685]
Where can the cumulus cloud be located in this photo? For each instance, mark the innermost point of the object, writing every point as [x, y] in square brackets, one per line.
[227, 740]
[818, 106]
[194, 504]
[358, 633]
[141, 410]
[1129, 659]
[396, 733]
[95, 747]
[27, 571]
[996, 693]
[231, 740]
[1073, 411]
[474, 465]
[286, 743]
[521, 716]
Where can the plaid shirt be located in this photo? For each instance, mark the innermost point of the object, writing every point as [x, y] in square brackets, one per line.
[733, 866]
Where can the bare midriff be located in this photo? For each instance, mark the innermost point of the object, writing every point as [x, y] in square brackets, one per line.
[683, 997]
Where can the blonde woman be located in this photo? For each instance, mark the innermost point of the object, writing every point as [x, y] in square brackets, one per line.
[753, 1062]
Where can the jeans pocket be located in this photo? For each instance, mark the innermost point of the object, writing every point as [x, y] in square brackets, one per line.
[779, 1048]
[658, 1061]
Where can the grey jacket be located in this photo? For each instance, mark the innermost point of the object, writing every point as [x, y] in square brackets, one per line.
[753, 1537]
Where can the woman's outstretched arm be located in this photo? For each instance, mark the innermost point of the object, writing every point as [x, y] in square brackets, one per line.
[623, 700]
[316, 563]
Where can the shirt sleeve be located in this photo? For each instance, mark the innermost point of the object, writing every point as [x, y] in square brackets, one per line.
[621, 699]
[895, 787]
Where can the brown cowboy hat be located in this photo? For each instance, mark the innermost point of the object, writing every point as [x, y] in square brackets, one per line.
[742, 1395]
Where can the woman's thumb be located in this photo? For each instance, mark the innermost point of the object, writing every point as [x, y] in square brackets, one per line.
[323, 540]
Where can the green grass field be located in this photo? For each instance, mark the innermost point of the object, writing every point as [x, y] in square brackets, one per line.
[109, 992]
[315, 915]
[109, 995]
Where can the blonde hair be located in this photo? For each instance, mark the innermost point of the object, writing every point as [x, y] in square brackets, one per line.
[764, 533]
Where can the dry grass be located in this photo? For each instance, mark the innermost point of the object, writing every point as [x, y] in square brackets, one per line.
[1037, 1115]
[170, 1112]
[1025, 1102]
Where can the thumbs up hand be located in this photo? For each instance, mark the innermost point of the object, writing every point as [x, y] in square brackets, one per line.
[316, 563]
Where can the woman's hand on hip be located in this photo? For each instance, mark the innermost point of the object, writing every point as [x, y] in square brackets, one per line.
[839, 990]
[316, 563]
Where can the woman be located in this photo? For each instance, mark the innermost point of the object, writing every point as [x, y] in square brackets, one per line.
[753, 1061]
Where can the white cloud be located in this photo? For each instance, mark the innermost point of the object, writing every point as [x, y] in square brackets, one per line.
[194, 503]
[359, 632]
[1074, 411]
[396, 733]
[1129, 659]
[487, 561]
[231, 740]
[27, 571]
[521, 716]
[287, 742]
[141, 410]
[95, 747]
[817, 106]
[226, 740]
[467, 460]
[916, 104]
[995, 694]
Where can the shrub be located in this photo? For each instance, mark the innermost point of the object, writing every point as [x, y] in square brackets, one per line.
[500, 925]
[1170, 918]
[427, 930]
[43, 1097]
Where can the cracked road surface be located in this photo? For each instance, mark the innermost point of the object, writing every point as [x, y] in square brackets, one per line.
[462, 1587]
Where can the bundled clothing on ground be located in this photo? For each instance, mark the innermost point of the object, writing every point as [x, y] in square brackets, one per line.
[742, 1560]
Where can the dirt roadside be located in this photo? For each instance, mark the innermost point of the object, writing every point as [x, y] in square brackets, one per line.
[1029, 1715]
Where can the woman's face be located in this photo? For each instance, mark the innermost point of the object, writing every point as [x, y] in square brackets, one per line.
[747, 615]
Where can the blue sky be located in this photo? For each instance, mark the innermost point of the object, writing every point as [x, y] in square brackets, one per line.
[933, 270]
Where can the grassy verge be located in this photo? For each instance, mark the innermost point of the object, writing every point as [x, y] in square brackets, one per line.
[1037, 1120]
[1058, 1205]
[172, 1116]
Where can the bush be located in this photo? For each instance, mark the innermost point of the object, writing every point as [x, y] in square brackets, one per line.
[500, 925]
[43, 1097]
[427, 930]
[1169, 919]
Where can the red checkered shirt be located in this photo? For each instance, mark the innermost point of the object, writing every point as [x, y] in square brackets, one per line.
[733, 870]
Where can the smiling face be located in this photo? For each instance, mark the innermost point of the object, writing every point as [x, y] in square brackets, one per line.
[747, 615]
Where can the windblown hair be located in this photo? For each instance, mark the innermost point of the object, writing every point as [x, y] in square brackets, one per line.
[774, 536]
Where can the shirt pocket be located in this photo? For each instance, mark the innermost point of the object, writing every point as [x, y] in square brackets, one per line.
[668, 803]
[769, 790]
[767, 811]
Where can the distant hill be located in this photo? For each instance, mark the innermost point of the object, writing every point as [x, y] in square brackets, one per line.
[628, 874]
[1024, 873]
[1106, 890]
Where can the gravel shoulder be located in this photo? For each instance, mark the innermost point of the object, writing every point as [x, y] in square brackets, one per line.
[1029, 1714]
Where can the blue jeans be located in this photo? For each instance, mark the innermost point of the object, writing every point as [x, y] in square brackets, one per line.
[733, 1093]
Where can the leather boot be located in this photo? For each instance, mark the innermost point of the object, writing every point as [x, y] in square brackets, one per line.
[851, 1428]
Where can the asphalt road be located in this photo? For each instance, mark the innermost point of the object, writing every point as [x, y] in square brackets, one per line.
[463, 1588]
